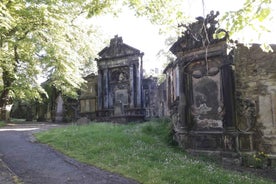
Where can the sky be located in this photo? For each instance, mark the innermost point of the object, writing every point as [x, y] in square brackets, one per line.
[141, 34]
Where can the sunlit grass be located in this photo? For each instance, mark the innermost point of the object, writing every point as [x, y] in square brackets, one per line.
[2, 123]
[138, 151]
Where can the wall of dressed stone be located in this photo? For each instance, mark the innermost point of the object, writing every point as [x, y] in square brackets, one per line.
[256, 94]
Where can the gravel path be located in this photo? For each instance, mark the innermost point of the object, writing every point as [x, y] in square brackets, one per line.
[36, 163]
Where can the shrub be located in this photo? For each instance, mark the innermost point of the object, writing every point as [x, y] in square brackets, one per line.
[257, 160]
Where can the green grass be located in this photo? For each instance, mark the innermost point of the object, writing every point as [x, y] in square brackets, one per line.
[138, 151]
[2, 123]
[18, 121]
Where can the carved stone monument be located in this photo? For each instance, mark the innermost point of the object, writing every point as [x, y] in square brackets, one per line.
[201, 92]
[88, 97]
[119, 82]
[59, 109]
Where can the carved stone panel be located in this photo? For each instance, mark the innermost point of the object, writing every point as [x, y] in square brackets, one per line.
[207, 103]
[121, 96]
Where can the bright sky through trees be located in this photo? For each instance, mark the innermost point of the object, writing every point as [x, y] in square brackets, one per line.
[140, 33]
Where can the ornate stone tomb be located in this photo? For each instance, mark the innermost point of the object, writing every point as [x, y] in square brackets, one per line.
[201, 91]
[119, 82]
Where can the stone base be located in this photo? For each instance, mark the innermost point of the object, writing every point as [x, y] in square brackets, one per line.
[129, 115]
[272, 160]
[121, 119]
[58, 119]
[226, 158]
[224, 146]
[127, 119]
[216, 140]
[89, 115]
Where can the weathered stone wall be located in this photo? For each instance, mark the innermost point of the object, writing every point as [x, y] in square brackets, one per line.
[154, 96]
[256, 95]
[162, 98]
[150, 92]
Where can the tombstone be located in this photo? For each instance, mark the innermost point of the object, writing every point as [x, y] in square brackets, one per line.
[59, 109]
[83, 121]
[119, 83]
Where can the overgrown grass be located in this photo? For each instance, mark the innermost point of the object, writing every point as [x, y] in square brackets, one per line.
[138, 151]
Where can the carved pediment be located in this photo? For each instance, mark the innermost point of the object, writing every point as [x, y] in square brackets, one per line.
[117, 49]
[199, 34]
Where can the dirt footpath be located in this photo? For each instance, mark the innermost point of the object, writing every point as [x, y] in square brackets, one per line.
[36, 163]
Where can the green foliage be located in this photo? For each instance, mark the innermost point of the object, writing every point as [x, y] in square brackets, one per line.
[43, 38]
[165, 13]
[252, 16]
[138, 151]
[2, 123]
[257, 160]
[97, 7]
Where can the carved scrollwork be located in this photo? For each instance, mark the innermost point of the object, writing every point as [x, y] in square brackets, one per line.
[200, 33]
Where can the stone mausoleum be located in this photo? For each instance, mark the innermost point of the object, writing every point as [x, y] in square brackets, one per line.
[120, 76]
[222, 99]
[119, 92]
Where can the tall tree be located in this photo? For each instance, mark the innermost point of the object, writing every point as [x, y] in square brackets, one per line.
[41, 37]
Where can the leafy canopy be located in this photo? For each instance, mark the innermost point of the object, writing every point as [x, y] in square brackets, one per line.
[43, 38]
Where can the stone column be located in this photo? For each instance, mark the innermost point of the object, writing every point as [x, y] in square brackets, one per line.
[141, 78]
[109, 92]
[182, 99]
[227, 78]
[100, 96]
[131, 83]
[138, 86]
[105, 88]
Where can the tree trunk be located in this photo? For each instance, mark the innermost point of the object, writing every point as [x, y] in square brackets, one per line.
[5, 106]
[5, 98]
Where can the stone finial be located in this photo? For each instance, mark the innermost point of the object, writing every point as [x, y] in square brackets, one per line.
[116, 41]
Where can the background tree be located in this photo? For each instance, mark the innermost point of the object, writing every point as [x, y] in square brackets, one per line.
[42, 38]
[254, 15]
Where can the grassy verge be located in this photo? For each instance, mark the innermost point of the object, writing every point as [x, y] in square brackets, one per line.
[2, 123]
[138, 151]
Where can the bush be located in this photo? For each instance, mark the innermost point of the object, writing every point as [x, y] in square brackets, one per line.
[257, 160]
